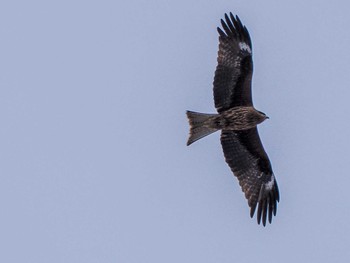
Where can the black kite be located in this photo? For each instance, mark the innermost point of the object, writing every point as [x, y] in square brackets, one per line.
[238, 119]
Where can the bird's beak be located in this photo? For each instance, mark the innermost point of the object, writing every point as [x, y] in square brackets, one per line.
[267, 117]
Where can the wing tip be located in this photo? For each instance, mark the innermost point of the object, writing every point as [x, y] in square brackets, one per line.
[233, 27]
[267, 205]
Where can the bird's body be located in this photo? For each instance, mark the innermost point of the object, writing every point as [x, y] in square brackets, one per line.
[238, 119]
[235, 119]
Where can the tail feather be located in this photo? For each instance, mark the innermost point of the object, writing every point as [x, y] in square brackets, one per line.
[199, 127]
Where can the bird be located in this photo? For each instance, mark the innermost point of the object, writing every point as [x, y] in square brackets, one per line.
[237, 119]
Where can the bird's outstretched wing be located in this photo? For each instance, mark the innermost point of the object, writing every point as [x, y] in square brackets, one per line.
[233, 75]
[249, 162]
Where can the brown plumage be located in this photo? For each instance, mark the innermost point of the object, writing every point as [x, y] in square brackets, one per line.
[237, 119]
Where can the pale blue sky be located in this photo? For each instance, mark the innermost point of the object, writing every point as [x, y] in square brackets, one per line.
[94, 166]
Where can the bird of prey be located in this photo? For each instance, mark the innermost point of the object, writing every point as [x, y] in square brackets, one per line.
[238, 119]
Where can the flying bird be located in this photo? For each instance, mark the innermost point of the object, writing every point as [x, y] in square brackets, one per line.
[238, 119]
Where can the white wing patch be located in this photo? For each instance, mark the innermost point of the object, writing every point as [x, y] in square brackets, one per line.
[269, 184]
[243, 46]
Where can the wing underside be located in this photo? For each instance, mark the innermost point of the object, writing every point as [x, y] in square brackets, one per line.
[248, 161]
[233, 75]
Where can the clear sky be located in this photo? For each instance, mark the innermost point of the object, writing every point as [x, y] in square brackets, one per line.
[94, 166]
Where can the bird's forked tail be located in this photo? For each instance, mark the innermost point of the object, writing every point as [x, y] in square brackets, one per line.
[199, 125]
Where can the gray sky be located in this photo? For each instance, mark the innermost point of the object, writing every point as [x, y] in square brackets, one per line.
[94, 166]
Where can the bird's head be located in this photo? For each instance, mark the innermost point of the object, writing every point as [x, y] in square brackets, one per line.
[262, 116]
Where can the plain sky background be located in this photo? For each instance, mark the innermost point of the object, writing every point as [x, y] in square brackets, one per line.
[94, 166]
